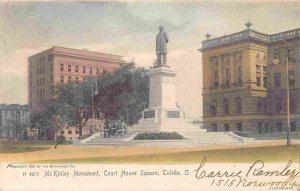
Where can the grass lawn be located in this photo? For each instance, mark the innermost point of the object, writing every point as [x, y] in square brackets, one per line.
[242, 155]
[21, 146]
[44, 152]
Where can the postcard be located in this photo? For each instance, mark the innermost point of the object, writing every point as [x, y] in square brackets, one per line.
[149, 95]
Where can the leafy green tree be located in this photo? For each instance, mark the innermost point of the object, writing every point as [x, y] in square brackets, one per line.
[123, 94]
[73, 104]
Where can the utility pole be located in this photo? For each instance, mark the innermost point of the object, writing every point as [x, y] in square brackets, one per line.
[288, 138]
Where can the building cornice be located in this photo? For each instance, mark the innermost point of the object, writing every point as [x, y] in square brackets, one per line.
[248, 35]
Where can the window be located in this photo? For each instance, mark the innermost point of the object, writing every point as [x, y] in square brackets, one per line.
[97, 71]
[214, 127]
[62, 132]
[226, 106]
[259, 127]
[228, 76]
[62, 79]
[258, 81]
[238, 105]
[266, 127]
[292, 78]
[69, 68]
[293, 126]
[264, 69]
[279, 127]
[77, 132]
[213, 108]
[226, 127]
[83, 69]
[91, 70]
[259, 107]
[257, 68]
[292, 106]
[240, 74]
[43, 81]
[76, 68]
[278, 108]
[216, 78]
[69, 79]
[61, 67]
[50, 57]
[265, 81]
[277, 79]
[239, 127]
[104, 71]
[69, 132]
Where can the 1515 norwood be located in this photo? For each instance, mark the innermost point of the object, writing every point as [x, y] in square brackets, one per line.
[288, 175]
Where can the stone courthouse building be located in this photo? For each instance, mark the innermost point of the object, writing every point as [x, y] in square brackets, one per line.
[245, 81]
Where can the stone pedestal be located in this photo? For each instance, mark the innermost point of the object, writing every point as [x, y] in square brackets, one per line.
[162, 113]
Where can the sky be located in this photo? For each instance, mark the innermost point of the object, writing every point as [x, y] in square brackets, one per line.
[129, 29]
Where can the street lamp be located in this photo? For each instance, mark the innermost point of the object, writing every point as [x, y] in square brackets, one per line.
[94, 92]
[288, 138]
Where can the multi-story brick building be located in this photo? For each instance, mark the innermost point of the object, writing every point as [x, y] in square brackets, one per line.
[14, 119]
[63, 65]
[245, 81]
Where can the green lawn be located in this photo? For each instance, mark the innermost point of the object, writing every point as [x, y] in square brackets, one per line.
[23, 146]
[242, 155]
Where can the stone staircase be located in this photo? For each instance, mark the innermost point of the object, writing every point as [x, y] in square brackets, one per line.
[195, 134]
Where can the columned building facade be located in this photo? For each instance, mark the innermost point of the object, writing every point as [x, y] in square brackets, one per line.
[245, 81]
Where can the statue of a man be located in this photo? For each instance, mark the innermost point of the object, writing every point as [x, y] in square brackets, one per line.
[161, 46]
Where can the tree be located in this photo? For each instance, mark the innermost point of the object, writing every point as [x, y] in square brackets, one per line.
[73, 104]
[123, 94]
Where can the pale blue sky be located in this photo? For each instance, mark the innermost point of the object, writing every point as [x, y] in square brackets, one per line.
[129, 29]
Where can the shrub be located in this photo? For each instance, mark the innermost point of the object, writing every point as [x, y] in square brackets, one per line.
[158, 136]
[60, 139]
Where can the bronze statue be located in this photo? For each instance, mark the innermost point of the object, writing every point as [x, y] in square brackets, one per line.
[161, 47]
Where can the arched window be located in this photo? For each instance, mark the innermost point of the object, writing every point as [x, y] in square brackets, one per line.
[238, 105]
[213, 108]
[292, 106]
[226, 106]
[278, 108]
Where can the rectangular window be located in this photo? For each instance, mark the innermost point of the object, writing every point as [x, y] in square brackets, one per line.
[279, 127]
[265, 81]
[228, 76]
[239, 127]
[258, 81]
[293, 126]
[257, 68]
[69, 79]
[61, 67]
[240, 74]
[226, 127]
[44, 81]
[83, 69]
[292, 78]
[76, 68]
[38, 83]
[62, 79]
[69, 68]
[214, 127]
[277, 79]
[69, 132]
[264, 69]
[216, 78]
[91, 70]
[97, 71]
